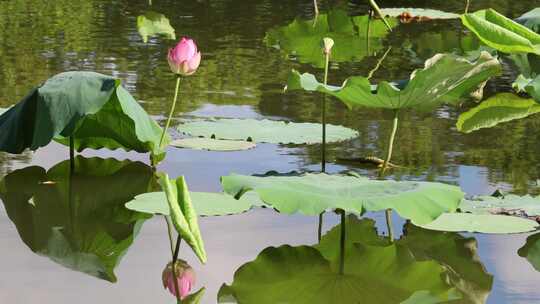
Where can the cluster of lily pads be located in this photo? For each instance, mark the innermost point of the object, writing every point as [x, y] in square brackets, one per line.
[86, 110]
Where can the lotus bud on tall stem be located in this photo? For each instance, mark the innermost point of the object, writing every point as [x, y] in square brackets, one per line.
[328, 43]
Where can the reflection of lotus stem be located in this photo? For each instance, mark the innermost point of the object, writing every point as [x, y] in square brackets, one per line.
[342, 244]
[172, 111]
[389, 224]
[316, 8]
[323, 114]
[175, 258]
[390, 143]
[169, 231]
[378, 11]
[71, 153]
[467, 7]
[319, 231]
[379, 63]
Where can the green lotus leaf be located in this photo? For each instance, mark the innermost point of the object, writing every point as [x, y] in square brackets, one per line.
[210, 144]
[501, 33]
[483, 223]
[93, 109]
[530, 86]
[418, 13]
[531, 250]
[80, 221]
[446, 78]
[195, 298]
[500, 108]
[526, 206]
[152, 24]
[311, 194]
[303, 38]
[531, 19]
[183, 214]
[306, 274]
[265, 131]
[205, 203]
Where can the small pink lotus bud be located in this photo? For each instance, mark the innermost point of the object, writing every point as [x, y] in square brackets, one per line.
[184, 59]
[185, 276]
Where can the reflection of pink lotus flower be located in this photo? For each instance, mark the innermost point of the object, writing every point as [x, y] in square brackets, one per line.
[185, 276]
[184, 59]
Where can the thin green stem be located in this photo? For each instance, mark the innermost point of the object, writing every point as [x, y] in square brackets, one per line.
[168, 123]
[170, 231]
[368, 30]
[319, 230]
[71, 153]
[376, 8]
[379, 63]
[342, 244]
[391, 142]
[175, 258]
[323, 114]
[315, 8]
[467, 7]
[389, 224]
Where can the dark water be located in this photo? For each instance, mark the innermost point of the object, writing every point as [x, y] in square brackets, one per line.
[240, 76]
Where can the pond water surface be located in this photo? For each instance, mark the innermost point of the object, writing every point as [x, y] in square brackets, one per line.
[242, 76]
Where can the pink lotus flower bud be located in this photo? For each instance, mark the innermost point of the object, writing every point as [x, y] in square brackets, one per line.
[185, 276]
[184, 59]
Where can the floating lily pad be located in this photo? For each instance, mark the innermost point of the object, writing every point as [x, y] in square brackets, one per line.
[531, 19]
[531, 251]
[210, 144]
[311, 194]
[502, 33]
[446, 78]
[483, 223]
[500, 108]
[525, 206]
[92, 108]
[77, 218]
[266, 131]
[205, 203]
[152, 23]
[302, 38]
[418, 13]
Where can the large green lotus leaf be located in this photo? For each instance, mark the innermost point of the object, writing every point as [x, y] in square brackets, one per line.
[421, 13]
[183, 213]
[502, 33]
[199, 143]
[457, 253]
[311, 194]
[526, 206]
[446, 78]
[151, 23]
[266, 131]
[531, 250]
[205, 203]
[483, 223]
[311, 275]
[92, 108]
[303, 38]
[80, 221]
[500, 108]
[531, 19]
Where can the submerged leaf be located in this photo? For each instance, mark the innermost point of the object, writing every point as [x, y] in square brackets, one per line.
[205, 203]
[152, 23]
[312, 194]
[92, 108]
[183, 214]
[500, 108]
[210, 144]
[502, 33]
[445, 78]
[483, 223]
[266, 131]
[77, 219]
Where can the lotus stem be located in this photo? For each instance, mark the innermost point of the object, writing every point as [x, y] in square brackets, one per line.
[315, 8]
[391, 142]
[342, 244]
[467, 6]
[368, 30]
[319, 231]
[169, 232]
[389, 224]
[379, 63]
[323, 113]
[378, 11]
[168, 123]
[175, 258]
[71, 154]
